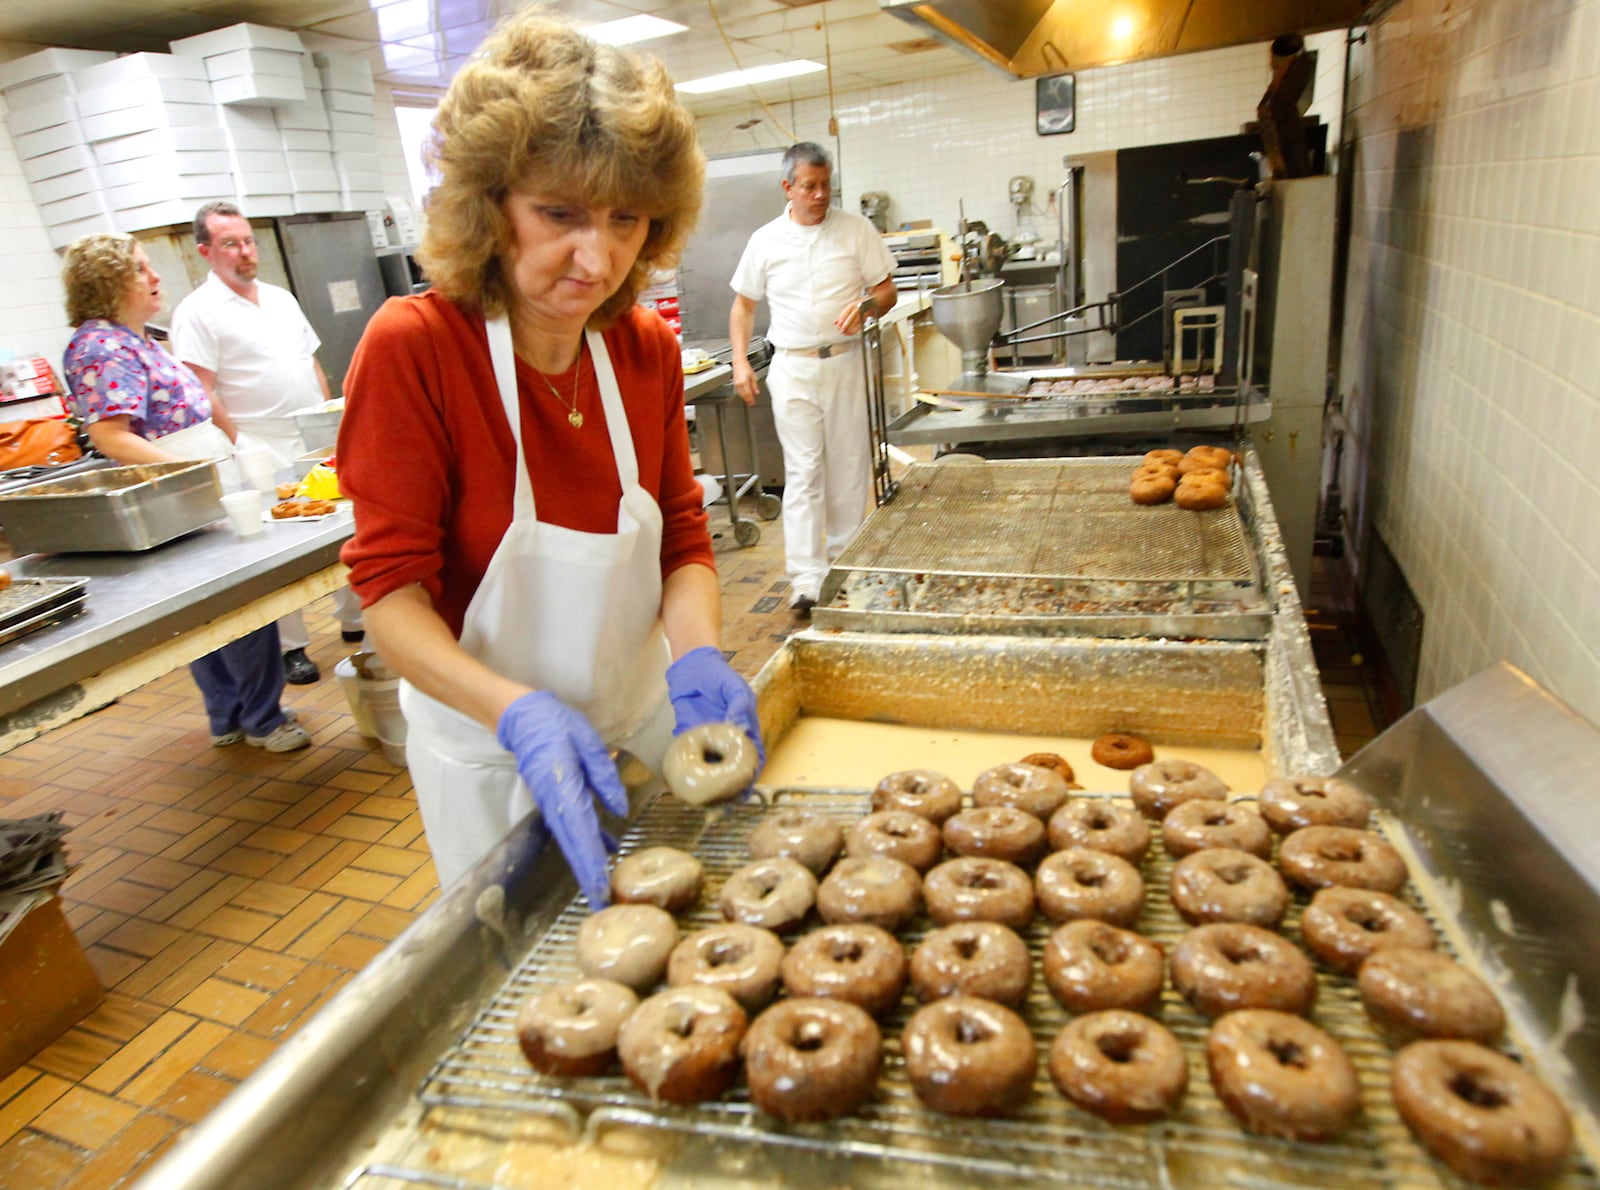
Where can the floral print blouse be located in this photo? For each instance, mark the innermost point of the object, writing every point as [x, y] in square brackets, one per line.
[113, 371]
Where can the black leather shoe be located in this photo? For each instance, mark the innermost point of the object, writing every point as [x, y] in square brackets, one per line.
[802, 606]
[298, 669]
[353, 635]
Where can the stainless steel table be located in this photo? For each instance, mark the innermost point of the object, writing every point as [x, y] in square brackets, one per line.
[712, 391]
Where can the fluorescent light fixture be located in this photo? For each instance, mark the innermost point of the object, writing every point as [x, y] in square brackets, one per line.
[1123, 28]
[756, 74]
[627, 30]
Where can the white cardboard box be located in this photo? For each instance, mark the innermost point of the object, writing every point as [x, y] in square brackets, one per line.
[158, 214]
[259, 90]
[54, 164]
[362, 180]
[352, 143]
[253, 140]
[48, 140]
[41, 115]
[311, 115]
[139, 66]
[161, 140]
[62, 234]
[92, 102]
[31, 68]
[57, 86]
[238, 62]
[70, 210]
[67, 185]
[350, 101]
[237, 37]
[167, 164]
[307, 202]
[187, 188]
[258, 163]
[307, 140]
[358, 163]
[361, 200]
[253, 184]
[352, 122]
[267, 206]
[143, 117]
[309, 74]
[313, 179]
[344, 78]
[304, 159]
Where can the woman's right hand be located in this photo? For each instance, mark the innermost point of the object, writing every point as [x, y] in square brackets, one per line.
[566, 766]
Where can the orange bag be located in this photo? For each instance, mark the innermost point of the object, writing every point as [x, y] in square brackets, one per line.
[39, 442]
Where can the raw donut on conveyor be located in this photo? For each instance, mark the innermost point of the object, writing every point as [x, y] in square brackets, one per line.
[969, 1057]
[1119, 750]
[859, 963]
[1280, 1075]
[744, 961]
[1289, 803]
[1159, 786]
[1225, 967]
[627, 943]
[809, 837]
[774, 893]
[1102, 825]
[710, 763]
[662, 876]
[873, 889]
[812, 1059]
[1090, 966]
[1342, 926]
[921, 791]
[1200, 493]
[1198, 825]
[1205, 458]
[899, 834]
[1026, 787]
[1053, 761]
[1080, 883]
[1220, 885]
[1151, 487]
[975, 888]
[1121, 1066]
[1001, 832]
[1168, 457]
[1324, 856]
[682, 1045]
[1414, 994]
[972, 958]
[571, 1029]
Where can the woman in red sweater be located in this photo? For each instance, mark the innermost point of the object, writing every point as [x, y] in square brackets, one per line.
[530, 550]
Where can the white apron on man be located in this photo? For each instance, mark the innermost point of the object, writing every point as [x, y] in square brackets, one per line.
[577, 614]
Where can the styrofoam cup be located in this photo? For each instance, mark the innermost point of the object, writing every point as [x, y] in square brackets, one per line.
[244, 511]
[255, 463]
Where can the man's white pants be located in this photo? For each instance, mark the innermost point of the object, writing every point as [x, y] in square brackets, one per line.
[819, 407]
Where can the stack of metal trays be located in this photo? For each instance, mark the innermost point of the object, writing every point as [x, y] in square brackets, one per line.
[29, 604]
[113, 509]
[1046, 547]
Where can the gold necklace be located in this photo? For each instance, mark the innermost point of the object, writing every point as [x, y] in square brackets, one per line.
[573, 416]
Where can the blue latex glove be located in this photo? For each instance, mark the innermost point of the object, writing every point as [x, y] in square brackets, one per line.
[566, 765]
[704, 689]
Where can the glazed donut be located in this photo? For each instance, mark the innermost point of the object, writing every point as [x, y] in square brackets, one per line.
[1482, 1114]
[285, 509]
[1159, 786]
[1118, 750]
[627, 943]
[1280, 1075]
[1053, 761]
[975, 888]
[899, 834]
[1001, 832]
[809, 837]
[969, 1057]
[682, 1045]
[1195, 826]
[1090, 966]
[1327, 856]
[861, 964]
[812, 1059]
[1222, 885]
[1151, 487]
[972, 958]
[1205, 458]
[774, 893]
[316, 508]
[742, 960]
[1414, 993]
[1100, 825]
[1121, 1066]
[1026, 787]
[710, 763]
[921, 791]
[1197, 494]
[1080, 883]
[872, 889]
[1342, 926]
[571, 1029]
[661, 876]
[1289, 803]
[1170, 458]
[1225, 967]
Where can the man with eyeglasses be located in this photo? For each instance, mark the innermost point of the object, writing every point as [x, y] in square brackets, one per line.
[822, 270]
[252, 348]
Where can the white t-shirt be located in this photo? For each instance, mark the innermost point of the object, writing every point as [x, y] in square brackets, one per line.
[262, 354]
[809, 274]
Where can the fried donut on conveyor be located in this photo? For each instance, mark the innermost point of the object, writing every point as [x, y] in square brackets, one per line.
[969, 1057]
[1342, 926]
[682, 1045]
[711, 762]
[861, 964]
[809, 837]
[1226, 967]
[571, 1029]
[812, 1059]
[1121, 1066]
[1325, 856]
[921, 791]
[1280, 1075]
[1416, 994]
[661, 876]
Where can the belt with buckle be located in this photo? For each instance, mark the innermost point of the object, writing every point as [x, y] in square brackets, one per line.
[822, 350]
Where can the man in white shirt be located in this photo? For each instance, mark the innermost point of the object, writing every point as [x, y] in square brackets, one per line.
[813, 264]
[252, 348]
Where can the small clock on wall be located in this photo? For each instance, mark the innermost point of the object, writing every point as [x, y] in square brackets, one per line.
[1054, 103]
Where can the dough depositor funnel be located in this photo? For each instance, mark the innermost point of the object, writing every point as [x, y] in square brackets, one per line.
[969, 313]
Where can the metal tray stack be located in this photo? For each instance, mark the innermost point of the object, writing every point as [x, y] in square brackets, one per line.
[1046, 548]
[29, 604]
[112, 509]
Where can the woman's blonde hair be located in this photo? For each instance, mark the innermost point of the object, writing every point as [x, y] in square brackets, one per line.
[544, 108]
[97, 272]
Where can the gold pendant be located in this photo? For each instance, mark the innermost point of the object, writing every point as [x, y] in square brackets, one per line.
[575, 418]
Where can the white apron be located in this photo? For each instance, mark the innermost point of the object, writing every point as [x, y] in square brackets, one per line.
[204, 440]
[280, 435]
[578, 614]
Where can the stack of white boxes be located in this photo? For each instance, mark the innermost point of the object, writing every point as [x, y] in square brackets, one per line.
[347, 90]
[42, 116]
[308, 144]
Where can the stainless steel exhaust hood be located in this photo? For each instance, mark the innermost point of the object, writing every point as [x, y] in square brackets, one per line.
[1028, 38]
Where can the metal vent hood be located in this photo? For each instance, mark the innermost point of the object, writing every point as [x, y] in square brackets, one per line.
[1028, 38]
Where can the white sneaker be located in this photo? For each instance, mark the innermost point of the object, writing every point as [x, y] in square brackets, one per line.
[289, 737]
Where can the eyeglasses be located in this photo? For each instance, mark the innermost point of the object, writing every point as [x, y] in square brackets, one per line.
[810, 188]
[231, 245]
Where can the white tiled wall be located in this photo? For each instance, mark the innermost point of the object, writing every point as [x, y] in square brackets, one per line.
[1472, 321]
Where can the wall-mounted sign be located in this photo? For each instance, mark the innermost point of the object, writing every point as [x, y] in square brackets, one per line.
[1054, 103]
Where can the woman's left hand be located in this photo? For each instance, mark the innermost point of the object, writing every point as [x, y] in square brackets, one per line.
[704, 689]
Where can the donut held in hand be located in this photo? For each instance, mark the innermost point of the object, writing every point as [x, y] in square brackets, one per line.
[709, 763]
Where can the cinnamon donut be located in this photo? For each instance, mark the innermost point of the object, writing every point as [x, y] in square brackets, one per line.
[975, 888]
[1090, 966]
[899, 834]
[809, 837]
[1000, 832]
[1148, 487]
[660, 876]
[1327, 856]
[1222, 885]
[1342, 926]
[969, 1057]
[710, 762]
[1080, 883]
[682, 1045]
[1197, 493]
[571, 1029]
[1414, 993]
[1195, 826]
[873, 889]
[972, 958]
[1119, 750]
[1100, 825]
[1165, 456]
[774, 893]
[1482, 1114]
[1280, 1075]
[1225, 967]
[1121, 1066]
[861, 964]
[742, 960]
[1026, 787]
[1053, 761]
[627, 943]
[921, 791]
[812, 1059]
[1159, 786]
[1205, 458]
[1289, 803]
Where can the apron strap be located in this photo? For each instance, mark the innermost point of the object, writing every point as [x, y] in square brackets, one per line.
[616, 418]
[504, 360]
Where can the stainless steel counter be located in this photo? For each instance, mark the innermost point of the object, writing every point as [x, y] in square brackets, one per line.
[1074, 417]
